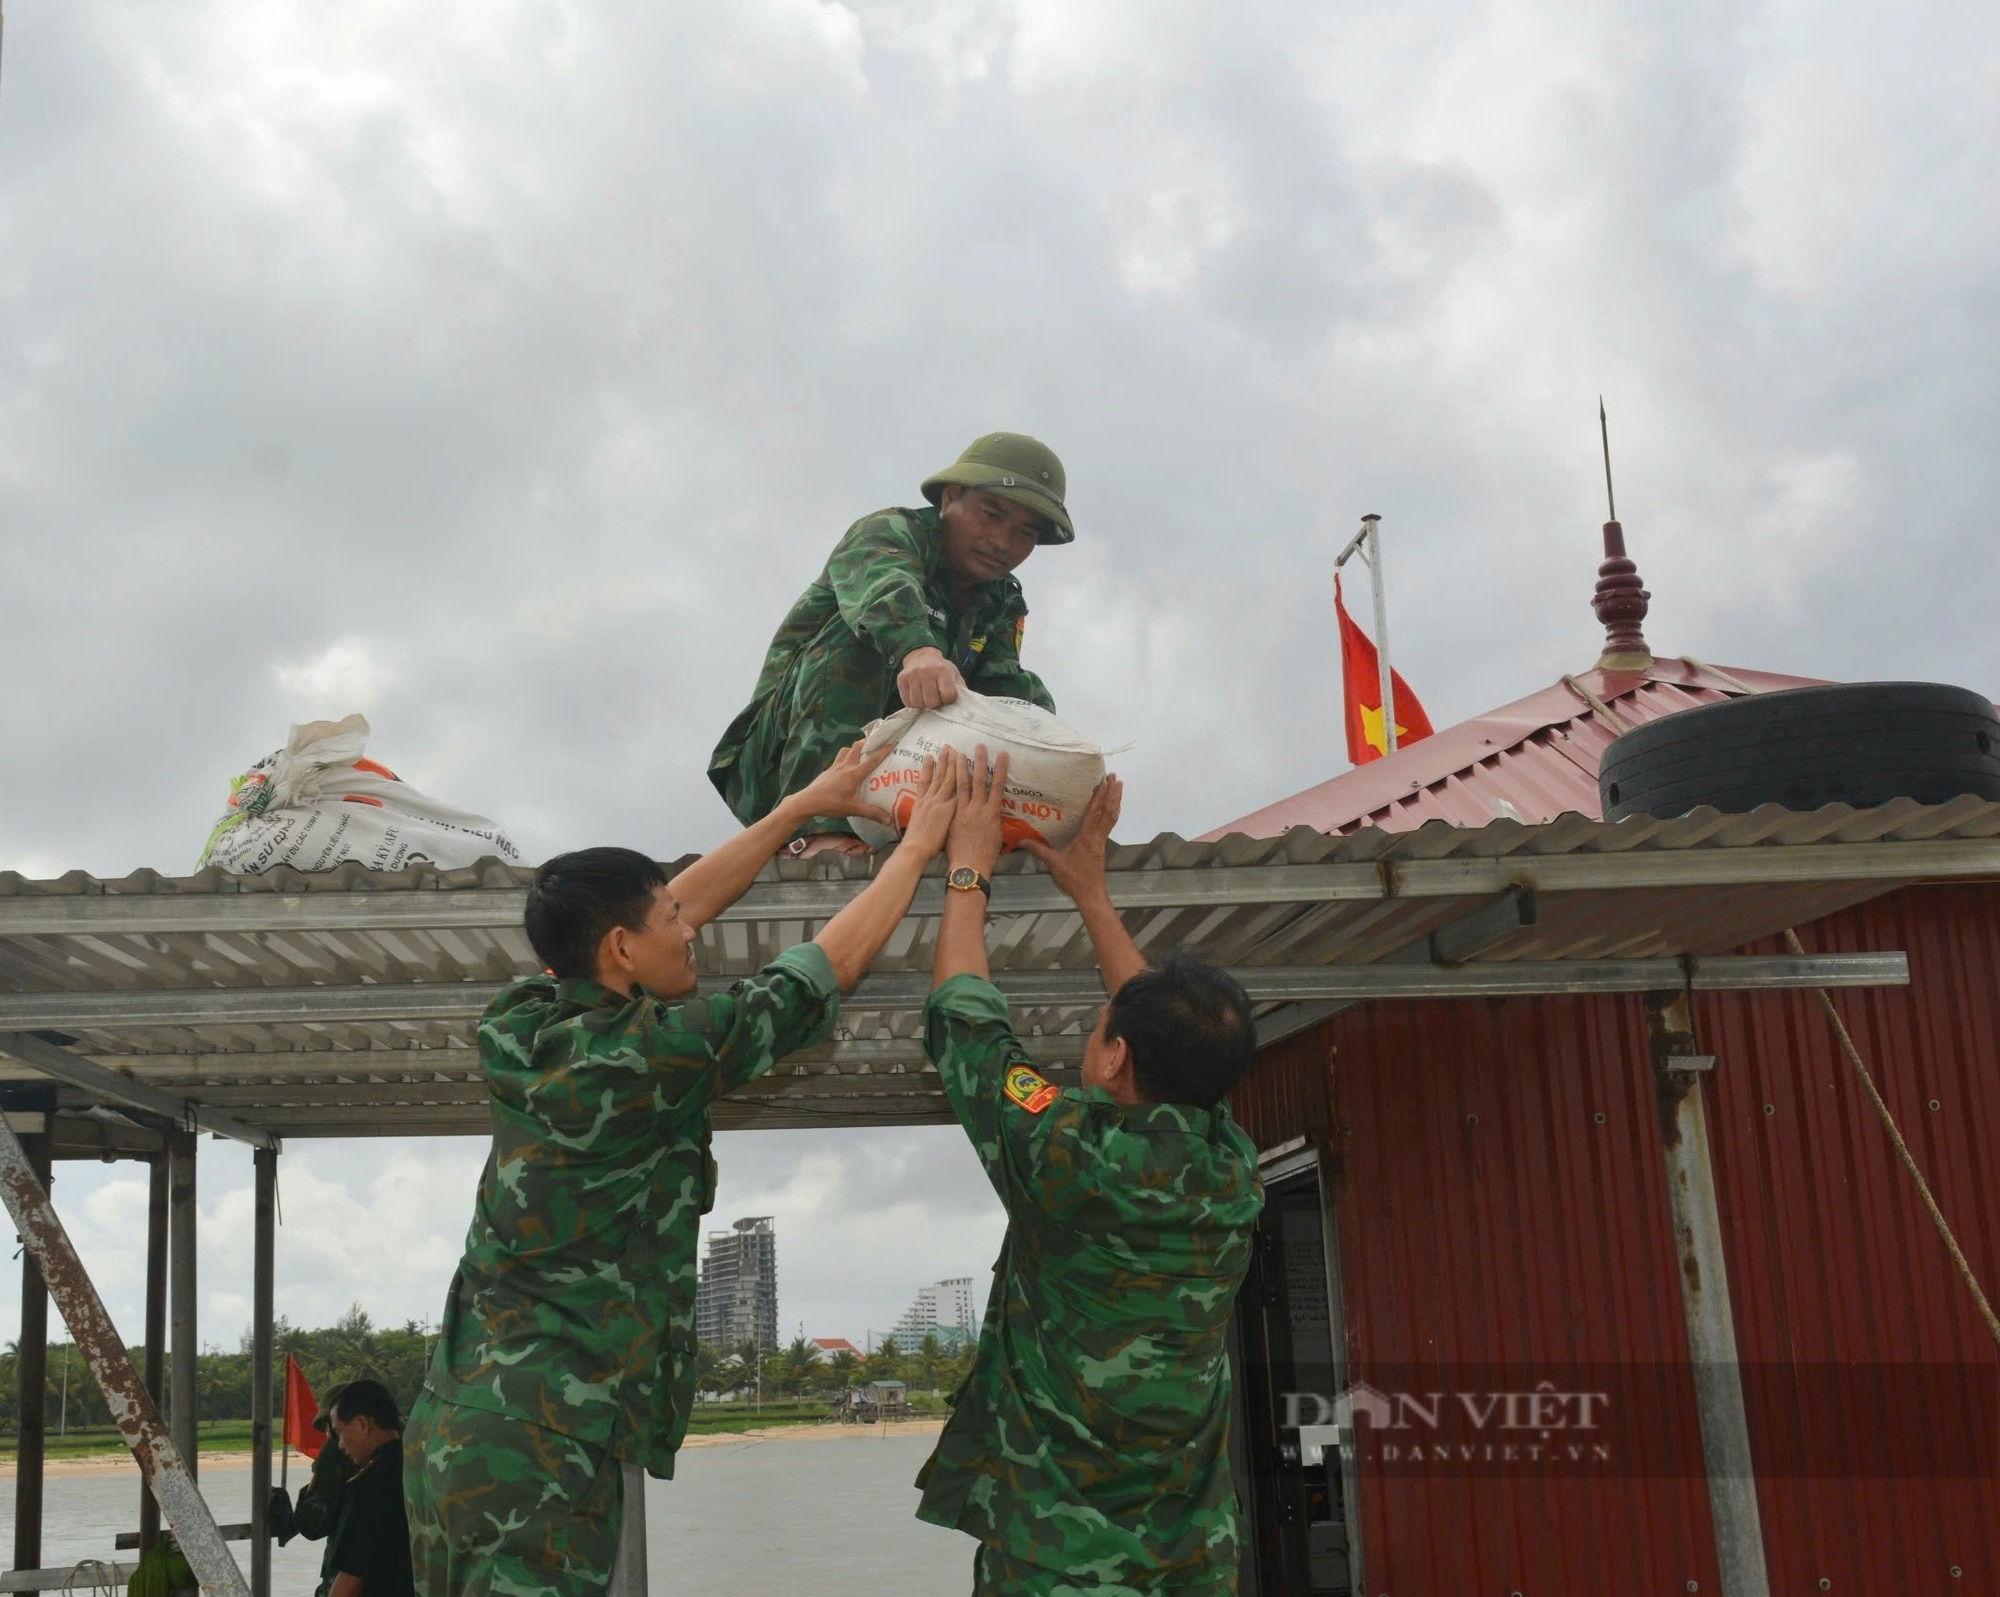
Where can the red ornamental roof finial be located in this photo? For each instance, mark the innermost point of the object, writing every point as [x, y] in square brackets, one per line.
[1621, 599]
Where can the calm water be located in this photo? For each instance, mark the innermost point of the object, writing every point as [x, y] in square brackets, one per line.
[829, 1517]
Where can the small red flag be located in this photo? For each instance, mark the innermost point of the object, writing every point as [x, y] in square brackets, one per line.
[1361, 677]
[301, 1409]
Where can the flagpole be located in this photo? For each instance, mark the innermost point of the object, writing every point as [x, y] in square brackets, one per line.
[1371, 527]
[285, 1432]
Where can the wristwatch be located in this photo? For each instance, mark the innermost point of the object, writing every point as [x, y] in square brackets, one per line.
[965, 879]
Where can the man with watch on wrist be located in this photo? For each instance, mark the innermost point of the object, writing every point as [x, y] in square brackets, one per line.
[1087, 1451]
[912, 606]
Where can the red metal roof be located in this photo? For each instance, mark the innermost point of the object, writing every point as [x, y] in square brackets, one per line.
[1531, 760]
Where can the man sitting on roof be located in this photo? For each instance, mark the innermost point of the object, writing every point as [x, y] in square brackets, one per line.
[1088, 1449]
[912, 606]
[568, 1343]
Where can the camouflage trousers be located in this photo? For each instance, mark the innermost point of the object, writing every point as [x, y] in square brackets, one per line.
[502, 1508]
[836, 686]
[994, 1574]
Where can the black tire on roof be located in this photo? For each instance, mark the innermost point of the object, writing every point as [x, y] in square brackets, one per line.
[1858, 743]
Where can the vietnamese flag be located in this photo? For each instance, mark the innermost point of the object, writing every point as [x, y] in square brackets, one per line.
[301, 1409]
[1361, 677]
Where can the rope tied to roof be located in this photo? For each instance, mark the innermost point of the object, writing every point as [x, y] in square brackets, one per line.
[1718, 673]
[1604, 712]
[1902, 1149]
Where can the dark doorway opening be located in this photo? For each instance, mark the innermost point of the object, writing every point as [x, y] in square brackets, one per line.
[1293, 1370]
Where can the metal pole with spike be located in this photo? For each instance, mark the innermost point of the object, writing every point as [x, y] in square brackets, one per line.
[1368, 544]
[1621, 600]
[1604, 432]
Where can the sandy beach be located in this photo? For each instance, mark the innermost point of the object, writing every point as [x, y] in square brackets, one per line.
[121, 1463]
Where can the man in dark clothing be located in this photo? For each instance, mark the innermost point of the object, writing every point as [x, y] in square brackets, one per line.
[370, 1551]
[318, 1507]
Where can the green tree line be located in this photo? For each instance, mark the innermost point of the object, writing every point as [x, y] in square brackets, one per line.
[802, 1370]
[354, 1346]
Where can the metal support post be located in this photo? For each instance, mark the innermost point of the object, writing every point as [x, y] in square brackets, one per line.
[262, 1336]
[32, 1375]
[1388, 677]
[628, 1575]
[156, 1330]
[137, 1418]
[183, 1402]
[1712, 1351]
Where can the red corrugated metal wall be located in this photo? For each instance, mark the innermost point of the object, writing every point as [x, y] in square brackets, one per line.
[1501, 1199]
[1832, 1258]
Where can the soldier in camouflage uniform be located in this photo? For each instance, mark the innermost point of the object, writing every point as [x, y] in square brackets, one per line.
[1088, 1448]
[568, 1343]
[911, 606]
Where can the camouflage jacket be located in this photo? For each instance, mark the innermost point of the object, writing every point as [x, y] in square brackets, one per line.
[887, 583]
[885, 591]
[1092, 1435]
[573, 1306]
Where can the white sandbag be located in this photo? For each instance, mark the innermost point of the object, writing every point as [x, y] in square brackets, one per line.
[1052, 769]
[317, 803]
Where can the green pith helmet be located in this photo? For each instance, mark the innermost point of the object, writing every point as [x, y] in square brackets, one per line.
[1015, 467]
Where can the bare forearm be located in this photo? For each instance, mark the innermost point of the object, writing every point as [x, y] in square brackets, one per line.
[961, 943]
[1118, 957]
[716, 880]
[855, 936]
[346, 1585]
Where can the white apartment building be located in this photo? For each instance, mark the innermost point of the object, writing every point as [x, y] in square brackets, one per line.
[943, 1309]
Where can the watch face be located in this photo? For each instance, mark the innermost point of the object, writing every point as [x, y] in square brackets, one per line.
[964, 876]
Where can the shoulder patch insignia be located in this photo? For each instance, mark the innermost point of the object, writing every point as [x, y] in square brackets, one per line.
[1029, 1090]
[1020, 632]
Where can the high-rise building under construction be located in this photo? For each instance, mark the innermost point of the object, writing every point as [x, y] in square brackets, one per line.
[737, 1299]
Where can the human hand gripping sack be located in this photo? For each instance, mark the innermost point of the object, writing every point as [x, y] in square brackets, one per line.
[853, 938]
[975, 830]
[836, 793]
[1078, 867]
[928, 681]
[936, 807]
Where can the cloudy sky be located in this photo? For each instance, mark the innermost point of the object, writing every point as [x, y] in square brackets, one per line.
[503, 370]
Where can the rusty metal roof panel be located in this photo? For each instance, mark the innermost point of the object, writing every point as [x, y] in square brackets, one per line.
[128, 965]
[1533, 760]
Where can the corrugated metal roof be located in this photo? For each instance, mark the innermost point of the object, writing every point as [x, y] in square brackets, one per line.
[345, 1003]
[1538, 755]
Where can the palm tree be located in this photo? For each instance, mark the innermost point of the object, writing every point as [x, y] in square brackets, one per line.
[886, 1362]
[843, 1366]
[744, 1368]
[711, 1375]
[930, 1359]
[800, 1362]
